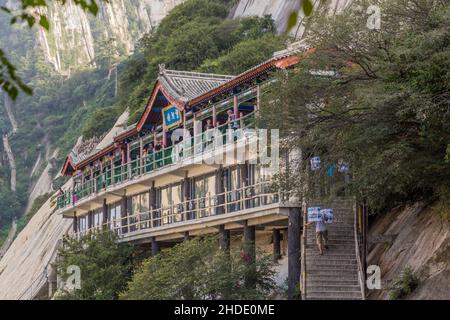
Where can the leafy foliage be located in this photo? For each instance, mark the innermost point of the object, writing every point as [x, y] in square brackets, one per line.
[377, 99]
[243, 55]
[404, 285]
[88, 102]
[105, 266]
[197, 269]
[193, 34]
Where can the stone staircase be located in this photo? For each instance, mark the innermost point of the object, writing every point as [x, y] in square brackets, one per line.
[334, 275]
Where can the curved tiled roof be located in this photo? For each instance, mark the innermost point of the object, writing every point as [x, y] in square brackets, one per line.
[185, 86]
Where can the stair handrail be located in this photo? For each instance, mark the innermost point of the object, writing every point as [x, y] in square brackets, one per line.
[358, 252]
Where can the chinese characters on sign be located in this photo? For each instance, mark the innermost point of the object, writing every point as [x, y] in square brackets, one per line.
[171, 117]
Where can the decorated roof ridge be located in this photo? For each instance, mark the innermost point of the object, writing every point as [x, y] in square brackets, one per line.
[190, 88]
[280, 59]
[184, 86]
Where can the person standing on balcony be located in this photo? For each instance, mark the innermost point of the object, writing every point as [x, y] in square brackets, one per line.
[231, 121]
[321, 234]
[209, 124]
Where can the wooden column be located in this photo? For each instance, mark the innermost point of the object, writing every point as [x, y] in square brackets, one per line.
[224, 238]
[276, 245]
[186, 196]
[124, 214]
[92, 179]
[243, 169]
[155, 246]
[124, 155]
[258, 98]
[105, 213]
[219, 191]
[293, 253]
[112, 170]
[128, 160]
[235, 107]
[250, 253]
[152, 203]
[141, 155]
[164, 136]
[214, 119]
[89, 218]
[75, 223]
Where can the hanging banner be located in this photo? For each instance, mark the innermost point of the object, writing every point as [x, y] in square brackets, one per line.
[171, 117]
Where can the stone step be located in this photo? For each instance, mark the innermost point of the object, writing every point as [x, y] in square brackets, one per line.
[334, 241]
[319, 272]
[333, 234]
[331, 263]
[332, 247]
[337, 283]
[328, 260]
[331, 278]
[331, 287]
[330, 255]
[334, 296]
[338, 267]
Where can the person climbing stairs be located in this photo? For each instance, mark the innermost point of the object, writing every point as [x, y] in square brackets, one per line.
[333, 275]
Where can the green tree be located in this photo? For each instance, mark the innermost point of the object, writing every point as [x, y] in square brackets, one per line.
[377, 99]
[198, 269]
[244, 55]
[105, 266]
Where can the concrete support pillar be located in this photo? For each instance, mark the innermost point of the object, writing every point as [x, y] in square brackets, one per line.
[250, 253]
[186, 236]
[155, 246]
[294, 253]
[276, 245]
[224, 238]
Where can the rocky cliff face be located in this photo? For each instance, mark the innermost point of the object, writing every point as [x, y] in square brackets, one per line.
[122, 22]
[280, 11]
[416, 237]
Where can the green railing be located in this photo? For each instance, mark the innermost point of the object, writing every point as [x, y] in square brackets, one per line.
[152, 162]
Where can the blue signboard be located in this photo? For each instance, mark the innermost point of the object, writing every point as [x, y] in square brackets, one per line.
[315, 163]
[327, 215]
[314, 214]
[171, 117]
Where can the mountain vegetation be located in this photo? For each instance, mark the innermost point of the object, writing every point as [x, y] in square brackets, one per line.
[380, 102]
[203, 272]
[111, 270]
[105, 266]
[196, 35]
